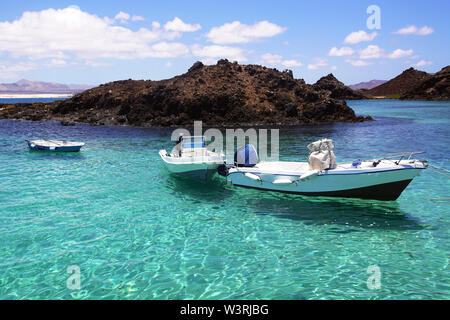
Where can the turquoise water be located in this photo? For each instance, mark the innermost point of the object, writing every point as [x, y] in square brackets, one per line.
[28, 100]
[137, 233]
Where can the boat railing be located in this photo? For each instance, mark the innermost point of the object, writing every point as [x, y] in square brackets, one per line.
[192, 137]
[393, 156]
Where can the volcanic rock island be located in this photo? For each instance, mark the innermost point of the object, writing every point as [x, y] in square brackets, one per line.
[223, 94]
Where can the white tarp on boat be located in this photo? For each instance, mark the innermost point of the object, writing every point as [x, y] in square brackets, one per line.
[322, 155]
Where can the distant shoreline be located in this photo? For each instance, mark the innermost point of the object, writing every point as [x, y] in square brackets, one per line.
[34, 95]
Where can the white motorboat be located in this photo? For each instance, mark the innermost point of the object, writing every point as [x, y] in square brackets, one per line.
[191, 158]
[382, 178]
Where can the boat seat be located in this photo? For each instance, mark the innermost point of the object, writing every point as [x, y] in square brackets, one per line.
[195, 152]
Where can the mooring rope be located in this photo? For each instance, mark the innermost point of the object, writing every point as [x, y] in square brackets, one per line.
[448, 176]
[438, 167]
[440, 173]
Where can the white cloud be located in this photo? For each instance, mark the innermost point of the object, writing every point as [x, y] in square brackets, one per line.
[11, 70]
[399, 53]
[166, 50]
[74, 6]
[15, 69]
[358, 63]
[291, 63]
[344, 51]
[237, 32]
[219, 52]
[333, 68]
[179, 26]
[58, 62]
[319, 63]
[271, 59]
[375, 52]
[96, 63]
[371, 52]
[137, 18]
[275, 59]
[359, 36]
[123, 17]
[422, 63]
[168, 64]
[209, 61]
[71, 32]
[425, 30]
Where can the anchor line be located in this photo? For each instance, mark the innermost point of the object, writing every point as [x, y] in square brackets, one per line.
[440, 173]
[436, 167]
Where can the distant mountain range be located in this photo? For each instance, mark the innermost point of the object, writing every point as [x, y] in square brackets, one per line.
[38, 87]
[367, 85]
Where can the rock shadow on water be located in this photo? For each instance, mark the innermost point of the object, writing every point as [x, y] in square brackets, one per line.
[339, 212]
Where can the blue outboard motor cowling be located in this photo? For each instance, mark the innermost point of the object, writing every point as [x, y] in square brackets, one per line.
[246, 156]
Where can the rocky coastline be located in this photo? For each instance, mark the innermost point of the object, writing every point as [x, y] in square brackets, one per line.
[222, 94]
[435, 87]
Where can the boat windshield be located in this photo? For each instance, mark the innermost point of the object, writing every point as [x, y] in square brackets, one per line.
[193, 142]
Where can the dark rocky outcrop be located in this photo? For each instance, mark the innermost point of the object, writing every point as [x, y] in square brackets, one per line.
[222, 94]
[336, 89]
[397, 86]
[26, 111]
[435, 87]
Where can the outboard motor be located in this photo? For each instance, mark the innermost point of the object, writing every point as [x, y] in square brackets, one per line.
[246, 156]
[223, 170]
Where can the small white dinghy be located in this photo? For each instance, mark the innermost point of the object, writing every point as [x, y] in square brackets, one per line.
[382, 178]
[54, 145]
[191, 158]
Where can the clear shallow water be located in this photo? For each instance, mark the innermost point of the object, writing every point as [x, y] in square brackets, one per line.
[28, 100]
[137, 233]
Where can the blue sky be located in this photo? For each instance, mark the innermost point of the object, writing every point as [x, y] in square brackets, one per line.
[92, 42]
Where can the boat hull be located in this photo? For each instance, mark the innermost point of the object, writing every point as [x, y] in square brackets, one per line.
[382, 185]
[386, 192]
[197, 171]
[35, 147]
[196, 168]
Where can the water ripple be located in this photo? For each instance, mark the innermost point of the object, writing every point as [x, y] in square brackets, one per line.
[137, 233]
